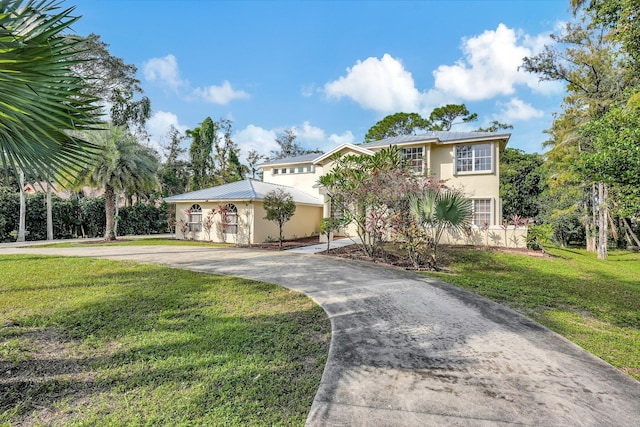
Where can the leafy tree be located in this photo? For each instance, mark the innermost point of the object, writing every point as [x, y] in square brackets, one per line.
[395, 125]
[125, 165]
[41, 98]
[443, 118]
[200, 154]
[174, 172]
[327, 227]
[522, 182]
[114, 82]
[596, 72]
[368, 191]
[289, 147]
[280, 207]
[495, 126]
[253, 158]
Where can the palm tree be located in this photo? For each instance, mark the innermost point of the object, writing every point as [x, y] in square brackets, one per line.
[439, 209]
[41, 98]
[125, 165]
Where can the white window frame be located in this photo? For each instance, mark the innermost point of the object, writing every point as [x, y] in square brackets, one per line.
[417, 163]
[491, 210]
[231, 219]
[473, 159]
[195, 224]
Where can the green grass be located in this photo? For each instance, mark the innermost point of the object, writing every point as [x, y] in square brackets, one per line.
[137, 242]
[88, 342]
[594, 303]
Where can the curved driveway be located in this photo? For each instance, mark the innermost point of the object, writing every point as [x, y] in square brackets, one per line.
[409, 351]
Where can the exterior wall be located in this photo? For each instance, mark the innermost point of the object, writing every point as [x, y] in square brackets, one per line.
[246, 223]
[476, 185]
[304, 223]
[304, 181]
[493, 236]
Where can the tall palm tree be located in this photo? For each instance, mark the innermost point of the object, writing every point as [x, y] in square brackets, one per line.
[124, 165]
[439, 209]
[41, 98]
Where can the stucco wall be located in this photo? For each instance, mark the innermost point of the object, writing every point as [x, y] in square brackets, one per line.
[477, 185]
[246, 223]
[304, 223]
[493, 236]
[304, 181]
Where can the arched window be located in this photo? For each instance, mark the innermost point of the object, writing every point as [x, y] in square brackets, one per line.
[195, 218]
[231, 219]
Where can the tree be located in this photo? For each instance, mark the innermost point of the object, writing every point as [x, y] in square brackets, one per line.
[200, 154]
[437, 209]
[174, 172]
[368, 191]
[522, 182]
[253, 158]
[395, 125]
[125, 165]
[41, 98]
[494, 126]
[597, 75]
[443, 118]
[289, 147]
[114, 82]
[280, 207]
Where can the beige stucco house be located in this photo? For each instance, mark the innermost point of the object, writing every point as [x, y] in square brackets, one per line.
[465, 160]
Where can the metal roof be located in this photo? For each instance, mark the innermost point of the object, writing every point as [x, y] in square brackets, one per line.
[437, 136]
[243, 190]
[305, 158]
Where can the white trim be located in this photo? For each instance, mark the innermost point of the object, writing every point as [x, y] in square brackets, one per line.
[340, 148]
[490, 171]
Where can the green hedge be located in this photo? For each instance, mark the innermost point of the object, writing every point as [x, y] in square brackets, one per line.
[75, 217]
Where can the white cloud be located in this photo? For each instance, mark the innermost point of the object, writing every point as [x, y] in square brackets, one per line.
[255, 138]
[345, 138]
[311, 137]
[309, 133]
[489, 68]
[382, 85]
[221, 95]
[165, 72]
[517, 110]
[158, 127]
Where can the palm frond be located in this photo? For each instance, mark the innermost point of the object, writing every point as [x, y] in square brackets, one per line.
[42, 100]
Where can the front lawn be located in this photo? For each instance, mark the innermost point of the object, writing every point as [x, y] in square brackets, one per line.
[97, 342]
[594, 303]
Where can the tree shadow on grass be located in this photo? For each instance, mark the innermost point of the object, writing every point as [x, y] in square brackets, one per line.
[146, 336]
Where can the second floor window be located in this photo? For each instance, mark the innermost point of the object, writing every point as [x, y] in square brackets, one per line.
[474, 158]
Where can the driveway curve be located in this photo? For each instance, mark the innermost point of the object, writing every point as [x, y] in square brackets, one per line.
[410, 351]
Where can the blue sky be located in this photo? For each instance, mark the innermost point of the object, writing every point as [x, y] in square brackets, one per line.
[330, 69]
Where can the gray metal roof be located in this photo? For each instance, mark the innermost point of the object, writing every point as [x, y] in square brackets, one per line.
[437, 136]
[305, 158]
[243, 190]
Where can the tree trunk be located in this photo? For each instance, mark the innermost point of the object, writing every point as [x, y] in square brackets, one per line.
[110, 210]
[591, 227]
[629, 232]
[23, 211]
[280, 245]
[603, 221]
[49, 214]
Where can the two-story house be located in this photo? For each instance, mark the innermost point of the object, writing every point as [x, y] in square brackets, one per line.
[465, 160]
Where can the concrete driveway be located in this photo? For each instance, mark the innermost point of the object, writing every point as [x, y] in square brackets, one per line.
[409, 351]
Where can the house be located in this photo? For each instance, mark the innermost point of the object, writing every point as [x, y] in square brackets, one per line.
[468, 161]
[234, 213]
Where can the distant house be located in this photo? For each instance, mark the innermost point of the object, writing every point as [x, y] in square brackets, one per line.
[466, 160]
